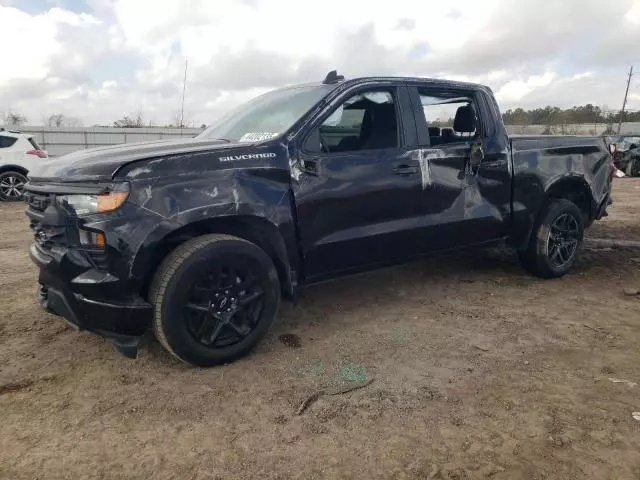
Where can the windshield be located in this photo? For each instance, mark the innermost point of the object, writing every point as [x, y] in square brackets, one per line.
[627, 143]
[268, 115]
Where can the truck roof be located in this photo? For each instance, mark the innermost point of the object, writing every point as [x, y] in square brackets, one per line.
[435, 82]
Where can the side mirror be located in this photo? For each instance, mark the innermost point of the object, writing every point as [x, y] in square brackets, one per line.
[477, 154]
[313, 143]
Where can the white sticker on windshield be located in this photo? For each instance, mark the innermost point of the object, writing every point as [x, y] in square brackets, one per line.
[257, 136]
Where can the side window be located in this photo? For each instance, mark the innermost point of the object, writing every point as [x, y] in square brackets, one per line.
[33, 143]
[6, 142]
[451, 117]
[365, 121]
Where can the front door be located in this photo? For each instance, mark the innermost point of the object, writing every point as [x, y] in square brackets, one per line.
[357, 186]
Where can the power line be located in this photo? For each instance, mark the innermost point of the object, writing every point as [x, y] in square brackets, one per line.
[184, 88]
[624, 102]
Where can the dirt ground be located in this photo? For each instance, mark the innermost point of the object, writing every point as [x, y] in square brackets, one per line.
[480, 371]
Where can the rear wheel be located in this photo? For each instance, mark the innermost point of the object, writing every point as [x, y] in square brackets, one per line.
[12, 186]
[214, 298]
[555, 241]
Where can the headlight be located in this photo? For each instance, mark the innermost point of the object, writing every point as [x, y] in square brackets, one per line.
[88, 204]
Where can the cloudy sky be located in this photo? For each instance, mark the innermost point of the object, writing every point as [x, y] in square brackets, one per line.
[98, 60]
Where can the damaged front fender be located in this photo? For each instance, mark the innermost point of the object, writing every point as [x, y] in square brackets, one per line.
[253, 203]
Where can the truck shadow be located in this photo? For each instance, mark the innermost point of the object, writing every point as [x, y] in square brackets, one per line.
[426, 281]
[419, 286]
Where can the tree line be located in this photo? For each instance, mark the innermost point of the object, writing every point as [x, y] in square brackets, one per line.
[16, 120]
[583, 114]
[131, 120]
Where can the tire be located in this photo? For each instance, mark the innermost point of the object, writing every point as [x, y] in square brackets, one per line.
[192, 279]
[541, 258]
[12, 186]
[633, 168]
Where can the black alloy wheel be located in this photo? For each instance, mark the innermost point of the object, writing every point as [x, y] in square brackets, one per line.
[555, 240]
[214, 298]
[564, 238]
[224, 306]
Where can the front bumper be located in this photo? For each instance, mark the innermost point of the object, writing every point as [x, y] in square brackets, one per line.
[90, 299]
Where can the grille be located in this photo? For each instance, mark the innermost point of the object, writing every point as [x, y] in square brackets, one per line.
[98, 258]
[45, 235]
[63, 234]
[37, 202]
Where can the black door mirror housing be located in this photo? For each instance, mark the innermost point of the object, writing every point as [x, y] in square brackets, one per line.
[477, 154]
[313, 142]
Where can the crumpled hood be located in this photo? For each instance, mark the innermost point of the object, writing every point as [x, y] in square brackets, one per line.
[98, 164]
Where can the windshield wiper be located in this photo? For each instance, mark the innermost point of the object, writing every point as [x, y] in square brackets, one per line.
[223, 140]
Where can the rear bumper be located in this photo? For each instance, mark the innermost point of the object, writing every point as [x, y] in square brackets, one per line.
[92, 300]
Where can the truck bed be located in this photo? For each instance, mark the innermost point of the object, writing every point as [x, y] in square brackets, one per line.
[539, 161]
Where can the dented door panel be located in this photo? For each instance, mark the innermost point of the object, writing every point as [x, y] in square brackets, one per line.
[355, 211]
[465, 205]
[359, 208]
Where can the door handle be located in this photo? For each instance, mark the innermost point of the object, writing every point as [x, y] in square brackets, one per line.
[405, 170]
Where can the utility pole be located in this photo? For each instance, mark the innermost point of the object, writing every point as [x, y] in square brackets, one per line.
[624, 102]
[184, 88]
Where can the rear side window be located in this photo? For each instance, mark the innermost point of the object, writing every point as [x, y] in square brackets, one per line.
[33, 143]
[451, 117]
[6, 142]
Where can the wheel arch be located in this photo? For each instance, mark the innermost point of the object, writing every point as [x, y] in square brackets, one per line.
[573, 188]
[255, 229]
[14, 168]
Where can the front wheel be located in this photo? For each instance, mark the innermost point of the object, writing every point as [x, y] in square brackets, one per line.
[12, 186]
[555, 241]
[214, 298]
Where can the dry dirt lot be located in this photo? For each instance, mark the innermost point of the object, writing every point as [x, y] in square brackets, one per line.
[480, 371]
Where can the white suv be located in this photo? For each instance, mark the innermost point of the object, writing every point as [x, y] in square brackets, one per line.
[18, 153]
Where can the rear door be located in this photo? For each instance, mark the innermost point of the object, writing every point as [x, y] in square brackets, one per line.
[357, 185]
[467, 199]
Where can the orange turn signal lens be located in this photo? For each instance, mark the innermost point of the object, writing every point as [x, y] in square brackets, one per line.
[99, 240]
[92, 238]
[111, 201]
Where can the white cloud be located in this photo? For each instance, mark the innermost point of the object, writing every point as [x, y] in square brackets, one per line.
[496, 75]
[29, 41]
[633, 15]
[28, 62]
[122, 56]
[517, 89]
[299, 28]
[580, 76]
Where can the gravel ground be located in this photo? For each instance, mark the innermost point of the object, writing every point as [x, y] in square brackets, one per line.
[479, 371]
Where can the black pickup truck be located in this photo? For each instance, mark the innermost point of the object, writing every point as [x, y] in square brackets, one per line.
[198, 239]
